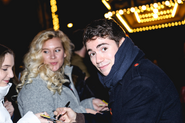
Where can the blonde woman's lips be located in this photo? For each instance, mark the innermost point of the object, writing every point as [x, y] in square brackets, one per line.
[53, 63]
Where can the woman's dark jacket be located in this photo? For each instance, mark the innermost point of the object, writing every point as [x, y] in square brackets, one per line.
[140, 92]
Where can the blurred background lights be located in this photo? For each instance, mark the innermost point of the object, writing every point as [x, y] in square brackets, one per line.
[109, 13]
[167, 3]
[105, 2]
[132, 9]
[179, 1]
[143, 7]
[147, 14]
[121, 12]
[55, 18]
[155, 15]
[155, 5]
[70, 25]
[155, 11]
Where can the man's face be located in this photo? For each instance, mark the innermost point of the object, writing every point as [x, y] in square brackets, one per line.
[102, 53]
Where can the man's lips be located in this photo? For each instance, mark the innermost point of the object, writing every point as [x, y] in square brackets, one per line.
[53, 63]
[102, 67]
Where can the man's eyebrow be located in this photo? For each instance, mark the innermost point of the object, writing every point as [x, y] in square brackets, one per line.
[89, 50]
[99, 45]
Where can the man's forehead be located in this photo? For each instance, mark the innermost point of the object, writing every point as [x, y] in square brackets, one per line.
[95, 44]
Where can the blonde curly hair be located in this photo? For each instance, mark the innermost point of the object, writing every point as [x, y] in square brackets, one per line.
[34, 64]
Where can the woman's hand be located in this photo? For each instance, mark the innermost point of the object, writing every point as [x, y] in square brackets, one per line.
[9, 107]
[42, 120]
[99, 105]
[67, 115]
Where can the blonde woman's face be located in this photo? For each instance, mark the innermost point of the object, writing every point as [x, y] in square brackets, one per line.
[53, 53]
[6, 72]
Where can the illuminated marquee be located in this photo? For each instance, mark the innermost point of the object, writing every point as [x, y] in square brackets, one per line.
[149, 17]
[54, 15]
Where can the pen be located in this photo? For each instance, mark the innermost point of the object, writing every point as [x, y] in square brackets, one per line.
[49, 118]
[67, 105]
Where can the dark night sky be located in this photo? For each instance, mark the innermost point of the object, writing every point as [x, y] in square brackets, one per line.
[19, 23]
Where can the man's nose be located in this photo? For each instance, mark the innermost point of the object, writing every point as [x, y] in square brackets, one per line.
[99, 58]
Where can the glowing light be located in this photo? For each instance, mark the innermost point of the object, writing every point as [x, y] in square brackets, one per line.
[106, 4]
[124, 23]
[167, 3]
[179, 1]
[137, 17]
[54, 16]
[70, 25]
[132, 9]
[155, 11]
[53, 8]
[121, 12]
[155, 5]
[155, 15]
[109, 14]
[148, 13]
[174, 10]
[106, 15]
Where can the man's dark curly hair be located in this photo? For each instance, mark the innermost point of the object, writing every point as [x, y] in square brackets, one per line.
[103, 28]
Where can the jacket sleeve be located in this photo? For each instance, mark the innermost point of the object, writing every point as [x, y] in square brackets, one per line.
[105, 117]
[87, 103]
[35, 97]
[29, 117]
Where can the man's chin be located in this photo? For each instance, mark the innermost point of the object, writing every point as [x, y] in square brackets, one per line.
[105, 73]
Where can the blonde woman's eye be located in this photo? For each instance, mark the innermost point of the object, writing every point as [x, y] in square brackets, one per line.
[58, 50]
[45, 51]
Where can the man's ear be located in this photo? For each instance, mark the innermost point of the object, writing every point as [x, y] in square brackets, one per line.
[121, 41]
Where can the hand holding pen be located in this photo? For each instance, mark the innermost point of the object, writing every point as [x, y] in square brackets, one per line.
[67, 114]
[59, 116]
[67, 105]
[100, 105]
[55, 118]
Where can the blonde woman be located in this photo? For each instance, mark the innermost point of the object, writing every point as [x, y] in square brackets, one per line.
[46, 82]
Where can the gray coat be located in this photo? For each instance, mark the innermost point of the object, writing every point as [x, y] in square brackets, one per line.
[36, 97]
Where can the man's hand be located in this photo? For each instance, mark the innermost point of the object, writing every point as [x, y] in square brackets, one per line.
[68, 115]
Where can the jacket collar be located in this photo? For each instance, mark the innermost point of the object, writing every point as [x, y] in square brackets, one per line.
[4, 91]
